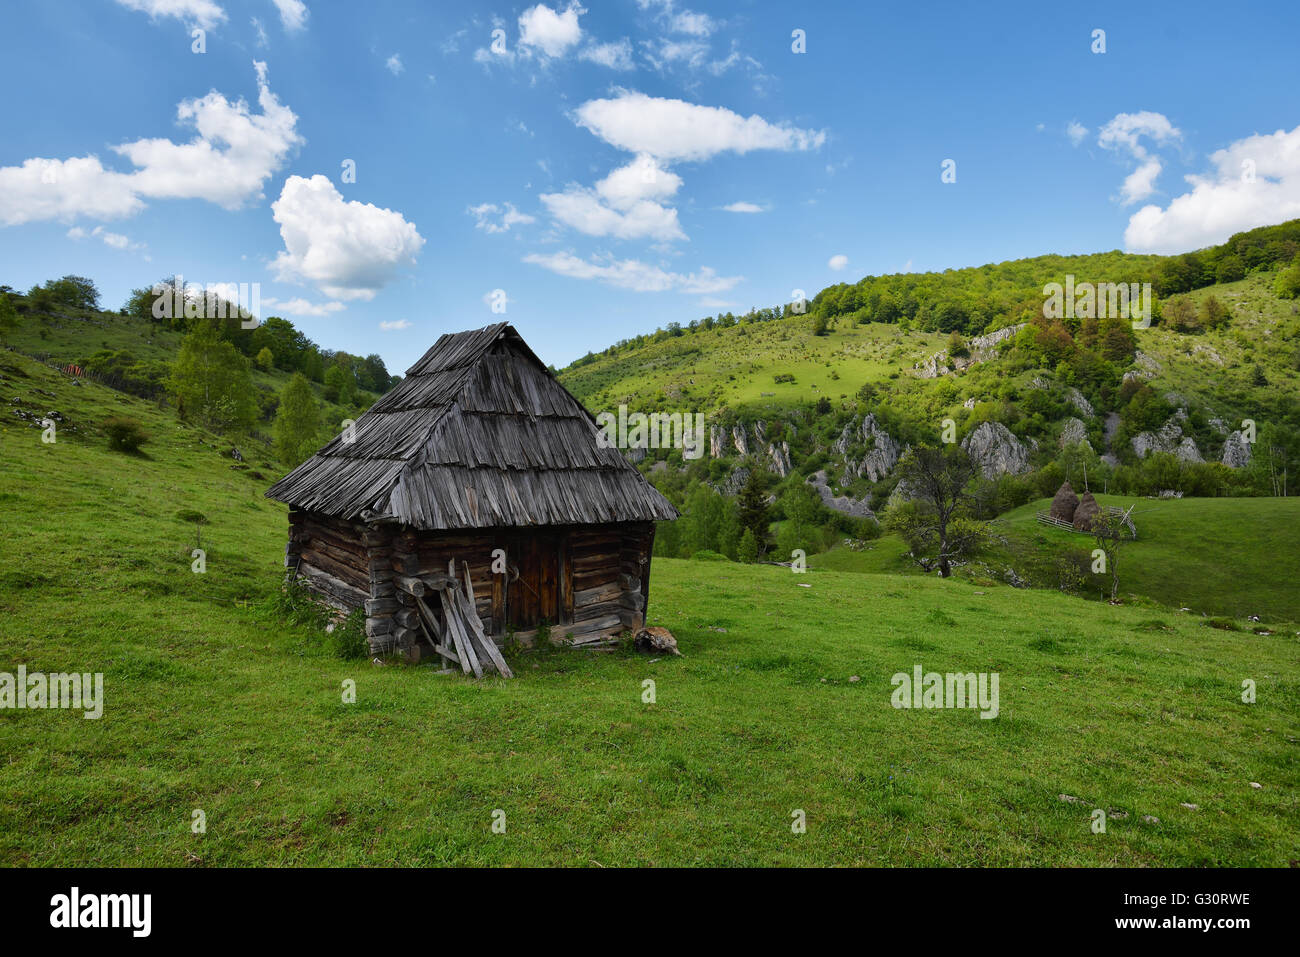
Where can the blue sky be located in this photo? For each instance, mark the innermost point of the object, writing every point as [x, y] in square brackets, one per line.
[621, 164]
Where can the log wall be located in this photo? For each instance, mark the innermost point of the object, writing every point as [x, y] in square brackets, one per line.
[589, 582]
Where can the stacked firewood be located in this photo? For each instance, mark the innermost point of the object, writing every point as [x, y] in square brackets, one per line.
[455, 630]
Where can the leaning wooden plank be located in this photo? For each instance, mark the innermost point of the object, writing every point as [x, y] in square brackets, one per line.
[470, 608]
[486, 644]
[459, 636]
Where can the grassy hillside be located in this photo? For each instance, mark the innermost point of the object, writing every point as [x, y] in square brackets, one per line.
[738, 366]
[1232, 557]
[216, 704]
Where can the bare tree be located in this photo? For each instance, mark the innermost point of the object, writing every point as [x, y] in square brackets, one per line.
[1110, 529]
[939, 479]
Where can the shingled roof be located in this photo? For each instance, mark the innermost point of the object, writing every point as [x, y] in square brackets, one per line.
[479, 434]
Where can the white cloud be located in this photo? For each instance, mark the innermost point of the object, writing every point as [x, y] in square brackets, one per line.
[395, 324]
[202, 13]
[229, 160]
[112, 240]
[616, 56]
[262, 39]
[349, 249]
[293, 14]
[1123, 134]
[234, 154]
[626, 204]
[1076, 131]
[394, 64]
[838, 262]
[299, 307]
[548, 31]
[1140, 183]
[44, 189]
[676, 130]
[743, 207]
[640, 179]
[487, 218]
[1125, 130]
[1224, 201]
[680, 21]
[634, 275]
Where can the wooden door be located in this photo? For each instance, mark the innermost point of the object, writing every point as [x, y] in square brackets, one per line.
[534, 591]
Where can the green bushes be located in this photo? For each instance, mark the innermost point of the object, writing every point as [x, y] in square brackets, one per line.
[125, 434]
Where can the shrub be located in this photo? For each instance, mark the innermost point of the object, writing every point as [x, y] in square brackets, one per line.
[348, 639]
[125, 434]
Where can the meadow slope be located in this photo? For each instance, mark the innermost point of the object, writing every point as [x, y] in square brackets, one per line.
[215, 704]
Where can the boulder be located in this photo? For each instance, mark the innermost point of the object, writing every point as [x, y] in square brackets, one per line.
[656, 641]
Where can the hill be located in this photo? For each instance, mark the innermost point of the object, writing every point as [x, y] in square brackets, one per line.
[219, 700]
[1222, 557]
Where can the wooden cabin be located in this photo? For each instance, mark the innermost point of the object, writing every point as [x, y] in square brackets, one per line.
[478, 465]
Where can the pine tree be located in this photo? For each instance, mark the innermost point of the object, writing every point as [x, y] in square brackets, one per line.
[753, 510]
[747, 551]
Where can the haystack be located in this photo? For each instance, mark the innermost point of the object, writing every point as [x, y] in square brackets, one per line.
[1064, 504]
[1087, 513]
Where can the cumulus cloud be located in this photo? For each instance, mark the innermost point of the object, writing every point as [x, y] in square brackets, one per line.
[293, 14]
[491, 218]
[394, 324]
[743, 207]
[201, 13]
[42, 189]
[669, 129]
[549, 31]
[299, 307]
[633, 274]
[394, 64]
[1076, 131]
[348, 249]
[626, 204]
[1140, 183]
[838, 262]
[229, 160]
[1254, 182]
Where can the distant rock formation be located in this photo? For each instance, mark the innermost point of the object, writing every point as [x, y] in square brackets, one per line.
[996, 450]
[981, 348]
[1074, 432]
[857, 507]
[1236, 451]
[1168, 438]
[883, 450]
[1080, 403]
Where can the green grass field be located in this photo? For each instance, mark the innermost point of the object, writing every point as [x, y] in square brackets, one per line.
[214, 704]
[1233, 557]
